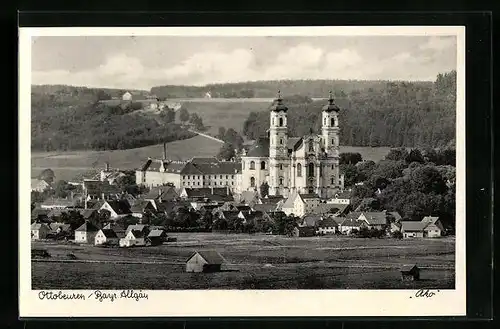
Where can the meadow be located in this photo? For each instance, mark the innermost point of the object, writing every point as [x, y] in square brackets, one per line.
[252, 262]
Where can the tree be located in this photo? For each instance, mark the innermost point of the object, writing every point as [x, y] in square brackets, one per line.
[350, 174]
[47, 175]
[184, 115]
[284, 225]
[365, 170]
[350, 158]
[222, 133]
[414, 156]
[226, 152]
[264, 189]
[167, 115]
[398, 154]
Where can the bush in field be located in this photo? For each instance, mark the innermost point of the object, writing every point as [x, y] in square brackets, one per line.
[397, 235]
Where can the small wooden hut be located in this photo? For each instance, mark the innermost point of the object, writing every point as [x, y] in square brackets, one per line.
[204, 261]
[410, 272]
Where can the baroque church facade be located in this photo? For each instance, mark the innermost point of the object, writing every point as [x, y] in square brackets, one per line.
[302, 165]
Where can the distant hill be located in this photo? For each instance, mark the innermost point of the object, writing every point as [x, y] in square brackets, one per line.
[266, 89]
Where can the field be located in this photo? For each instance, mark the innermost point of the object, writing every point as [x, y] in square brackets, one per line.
[252, 262]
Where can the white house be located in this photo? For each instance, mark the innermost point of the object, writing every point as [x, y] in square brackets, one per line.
[412, 229]
[341, 198]
[433, 227]
[133, 238]
[39, 231]
[351, 225]
[86, 233]
[127, 96]
[300, 204]
[106, 236]
[117, 208]
[39, 185]
[327, 226]
[377, 220]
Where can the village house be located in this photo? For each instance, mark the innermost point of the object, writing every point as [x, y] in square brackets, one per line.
[433, 227]
[304, 231]
[350, 226]
[343, 198]
[106, 236]
[39, 214]
[327, 226]
[110, 176]
[156, 237]
[204, 261]
[300, 204]
[375, 220]
[86, 233]
[161, 194]
[331, 209]
[142, 207]
[39, 185]
[94, 189]
[395, 227]
[39, 231]
[133, 238]
[117, 208]
[127, 96]
[138, 227]
[412, 229]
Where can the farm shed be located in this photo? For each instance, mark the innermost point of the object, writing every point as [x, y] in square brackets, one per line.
[156, 237]
[204, 261]
[304, 231]
[412, 229]
[133, 238]
[410, 273]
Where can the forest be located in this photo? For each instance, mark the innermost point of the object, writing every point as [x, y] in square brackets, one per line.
[397, 114]
[60, 123]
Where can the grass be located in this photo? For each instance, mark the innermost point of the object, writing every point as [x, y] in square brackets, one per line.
[253, 262]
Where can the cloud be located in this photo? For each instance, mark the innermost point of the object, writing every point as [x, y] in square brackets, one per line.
[301, 61]
[438, 43]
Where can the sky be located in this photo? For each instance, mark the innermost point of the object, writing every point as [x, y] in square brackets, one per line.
[142, 62]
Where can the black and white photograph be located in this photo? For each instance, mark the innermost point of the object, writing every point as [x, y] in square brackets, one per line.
[240, 160]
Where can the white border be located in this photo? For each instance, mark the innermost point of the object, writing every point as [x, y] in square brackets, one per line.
[233, 302]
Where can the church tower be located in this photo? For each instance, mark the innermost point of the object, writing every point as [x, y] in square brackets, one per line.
[330, 137]
[278, 156]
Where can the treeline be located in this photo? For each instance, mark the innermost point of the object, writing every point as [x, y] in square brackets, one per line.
[393, 114]
[98, 126]
[415, 183]
[266, 89]
[71, 95]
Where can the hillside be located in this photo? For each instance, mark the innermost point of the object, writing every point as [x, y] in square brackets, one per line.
[266, 89]
[397, 114]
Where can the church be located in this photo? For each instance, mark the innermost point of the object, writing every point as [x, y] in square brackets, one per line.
[295, 164]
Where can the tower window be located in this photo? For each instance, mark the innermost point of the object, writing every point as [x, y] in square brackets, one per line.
[333, 166]
[311, 146]
[281, 180]
[281, 166]
[333, 142]
[281, 122]
[332, 122]
[281, 141]
[252, 165]
[263, 165]
[299, 170]
[332, 181]
[252, 181]
[324, 121]
[311, 170]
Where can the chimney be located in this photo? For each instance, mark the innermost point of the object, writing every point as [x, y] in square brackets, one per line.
[107, 166]
[164, 151]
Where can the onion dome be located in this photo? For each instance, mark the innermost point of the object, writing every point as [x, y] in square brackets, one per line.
[278, 104]
[331, 106]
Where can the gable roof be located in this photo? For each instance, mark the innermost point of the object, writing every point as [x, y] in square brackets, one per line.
[58, 202]
[375, 218]
[156, 233]
[412, 226]
[409, 268]
[309, 196]
[325, 208]
[140, 206]
[267, 207]
[135, 227]
[430, 220]
[231, 214]
[353, 223]
[136, 233]
[109, 233]
[121, 207]
[248, 196]
[289, 203]
[55, 226]
[205, 192]
[328, 222]
[210, 256]
[395, 214]
[38, 226]
[35, 183]
[163, 192]
[87, 227]
[353, 215]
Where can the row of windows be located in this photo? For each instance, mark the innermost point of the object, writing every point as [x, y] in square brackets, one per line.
[332, 122]
[208, 184]
[207, 177]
